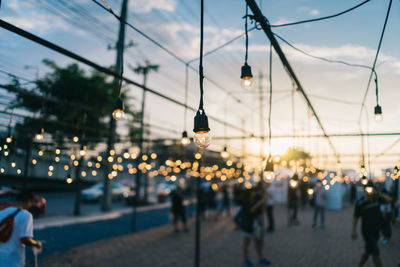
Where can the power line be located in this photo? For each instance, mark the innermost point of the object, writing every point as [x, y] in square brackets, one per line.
[319, 19]
[168, 51]
[94, 65]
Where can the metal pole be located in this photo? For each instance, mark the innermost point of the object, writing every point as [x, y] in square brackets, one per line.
[141, 141]
[198, 216]
[106, 200]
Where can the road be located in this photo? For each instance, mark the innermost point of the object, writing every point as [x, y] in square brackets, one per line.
[58, 239]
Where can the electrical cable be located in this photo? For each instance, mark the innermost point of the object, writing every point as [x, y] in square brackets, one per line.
[376, 58]
[161, 47]
[322, 18]
[201, 75]
[270, 101]
[247, 34]
[321, 58]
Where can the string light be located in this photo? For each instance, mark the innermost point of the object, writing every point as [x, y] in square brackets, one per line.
[39, 135]
[185, 139]
[247, 76]
[118, 111]
[225, 153]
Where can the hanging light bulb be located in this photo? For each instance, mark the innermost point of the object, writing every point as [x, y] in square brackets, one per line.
[378, 113]
[9, 138]
[269, 174]
[118, 112]
[185, 139]
[202, 137]
[247, 77]
[39, 135]
[225, 153]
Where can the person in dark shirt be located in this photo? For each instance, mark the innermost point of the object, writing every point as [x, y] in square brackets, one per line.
[368, 209]
[293, 199]
[251, 207]
[178, 209]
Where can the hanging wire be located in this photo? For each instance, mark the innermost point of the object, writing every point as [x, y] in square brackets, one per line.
[322, 18]
[270, 100]
[376, 58]
[247, 34]
[376, 90]
[186, 95]
[368, 143]
[201, 75]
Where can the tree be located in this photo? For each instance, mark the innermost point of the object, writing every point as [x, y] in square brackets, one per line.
[295, 154]
[70, 103]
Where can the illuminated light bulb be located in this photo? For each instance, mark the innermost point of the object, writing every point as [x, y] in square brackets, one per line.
[327, 187]
[40, 153]
[49, 173]
[153, 155]
[369, 190]
[225, 153]
[94, 173]
[34, 161]
[75, 139]
[76, 163]
[82, 153]
[378, 113]
[2, 170]
[83, 173]
[13, 164]
[5, 153]
[118, 112]
[5, 146]
[58, 151]
[145, 157]
[293, 183]
[185, 139]
[69, 180]
[202, 137]
[112, 152]
[39, 135]
[133, 156]
[51, 168]
[66, 167]
[99, 158]
[197, 156]
[90, 164]
[229, 163]
[247, 77]
[364, 180]
[310, 191]
[19, 171]
[9, 139]
[57, 159]
[126, 155]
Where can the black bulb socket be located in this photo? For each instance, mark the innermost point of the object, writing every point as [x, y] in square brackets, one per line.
[201, 122]
[119, 105]
[378, 110]
[246, 72]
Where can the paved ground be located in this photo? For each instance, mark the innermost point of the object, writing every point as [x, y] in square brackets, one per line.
[221, 246]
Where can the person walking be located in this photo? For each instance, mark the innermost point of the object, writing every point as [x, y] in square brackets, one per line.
[293, 200]
[386, 211]
[12, 250]
[270, 207]
[250, 210]
[368, 209]
[226, 201]
[178, 209]
[320, 202]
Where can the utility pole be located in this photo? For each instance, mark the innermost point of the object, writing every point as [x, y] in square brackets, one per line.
[106, 200]
[144, 70]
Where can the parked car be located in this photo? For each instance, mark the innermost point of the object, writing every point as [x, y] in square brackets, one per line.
[95, 192]
[8, 197]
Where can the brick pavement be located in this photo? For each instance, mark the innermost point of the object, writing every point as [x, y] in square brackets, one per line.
[221, 246]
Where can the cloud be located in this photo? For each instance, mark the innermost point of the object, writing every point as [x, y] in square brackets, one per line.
[314, 12]
[144, 6]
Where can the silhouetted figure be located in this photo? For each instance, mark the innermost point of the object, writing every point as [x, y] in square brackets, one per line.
[250, 210]
[270, 203]
[368, 209]
[320, 202]
[353, 192]
[293, 199]
[226, 201]
[178, 209]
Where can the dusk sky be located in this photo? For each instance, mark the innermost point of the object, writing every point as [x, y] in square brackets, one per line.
[86, 29]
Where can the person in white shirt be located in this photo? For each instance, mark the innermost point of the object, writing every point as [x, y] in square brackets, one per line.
[12, 252]
[270, 207]
[320, 202]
